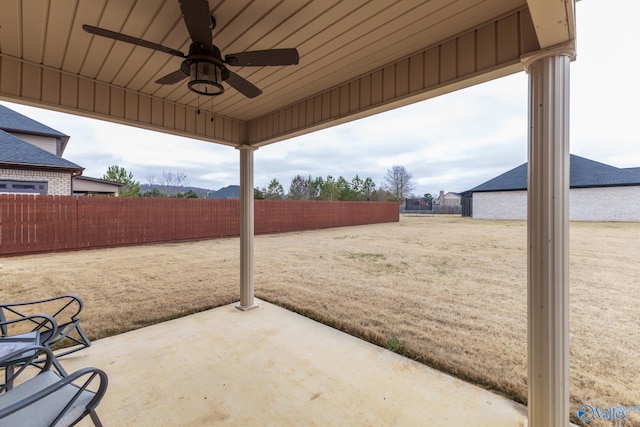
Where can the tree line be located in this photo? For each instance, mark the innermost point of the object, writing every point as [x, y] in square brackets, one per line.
[396, 186]
[320, 188]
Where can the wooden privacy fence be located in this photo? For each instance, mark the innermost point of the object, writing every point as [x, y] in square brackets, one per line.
[32, 224]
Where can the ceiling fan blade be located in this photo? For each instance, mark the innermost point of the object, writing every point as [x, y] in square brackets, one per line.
[197, 18]
[132, 40]
[172, 78]
[262, 58]
[242, 85]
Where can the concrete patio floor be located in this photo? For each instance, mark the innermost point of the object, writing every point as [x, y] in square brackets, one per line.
[272, 367]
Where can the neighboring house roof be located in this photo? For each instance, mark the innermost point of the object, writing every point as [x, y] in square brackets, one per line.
[515, 179]
[101, 181]
[16, 152]
[635, 171]
[582, 173]
[14, 122]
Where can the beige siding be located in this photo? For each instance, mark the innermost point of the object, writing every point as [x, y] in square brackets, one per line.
[85, 186]
[99, 100]
[298, 100]
[451, 199]
[486, 52]
[47, 143]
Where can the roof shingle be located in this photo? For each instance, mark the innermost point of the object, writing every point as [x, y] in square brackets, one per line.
[15, 151]
[583, 173]
[12, 121]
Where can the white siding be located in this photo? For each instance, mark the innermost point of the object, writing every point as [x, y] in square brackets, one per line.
[59, 183]
[500, 205]
[86, 186]
[585, 204]
[605, 204]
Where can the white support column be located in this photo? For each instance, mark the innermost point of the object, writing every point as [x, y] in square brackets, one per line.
[246, 228]
[548, 237]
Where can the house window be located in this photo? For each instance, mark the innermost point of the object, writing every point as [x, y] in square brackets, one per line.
[24, 187]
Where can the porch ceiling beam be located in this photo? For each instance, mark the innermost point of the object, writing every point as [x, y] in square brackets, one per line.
[553, 20]
[33, 84]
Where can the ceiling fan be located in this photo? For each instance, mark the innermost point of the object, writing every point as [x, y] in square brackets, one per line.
[204, 64]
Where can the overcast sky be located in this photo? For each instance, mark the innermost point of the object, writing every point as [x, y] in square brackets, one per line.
[451, 143]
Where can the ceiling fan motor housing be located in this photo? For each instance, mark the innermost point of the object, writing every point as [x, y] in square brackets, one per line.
[205, 75]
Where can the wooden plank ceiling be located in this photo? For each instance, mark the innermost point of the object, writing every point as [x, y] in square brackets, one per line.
[357, 57]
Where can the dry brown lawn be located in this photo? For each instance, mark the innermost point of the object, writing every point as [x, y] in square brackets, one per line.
[448, 291]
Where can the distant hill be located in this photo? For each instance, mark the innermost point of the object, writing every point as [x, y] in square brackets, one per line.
[228, 192]
[201, 192]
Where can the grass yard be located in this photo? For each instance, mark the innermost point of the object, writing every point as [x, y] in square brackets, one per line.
[448, 291]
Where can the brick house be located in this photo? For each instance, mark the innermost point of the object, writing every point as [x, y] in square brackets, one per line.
[598, 192]
[31, 161]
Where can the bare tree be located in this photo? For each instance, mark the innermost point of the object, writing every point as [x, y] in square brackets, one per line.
[173, 181]
[398, 182]
[152, 179]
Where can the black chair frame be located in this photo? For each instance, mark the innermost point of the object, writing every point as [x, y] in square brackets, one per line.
[80, 380]
[66, 311]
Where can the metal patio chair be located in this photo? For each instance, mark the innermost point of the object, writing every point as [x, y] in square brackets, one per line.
[64, 309]
[20, 333]
[49, 398]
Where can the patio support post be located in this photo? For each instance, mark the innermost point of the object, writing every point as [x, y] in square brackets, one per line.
[246, 228]
[548, 237]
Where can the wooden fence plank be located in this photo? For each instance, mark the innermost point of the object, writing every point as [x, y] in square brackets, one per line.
[34, 224]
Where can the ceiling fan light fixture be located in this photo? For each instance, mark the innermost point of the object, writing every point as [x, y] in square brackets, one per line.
[205, 78]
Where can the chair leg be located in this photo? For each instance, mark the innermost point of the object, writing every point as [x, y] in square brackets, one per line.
[58, 366]
[85, 338]
[94, 418]
[8, 373]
